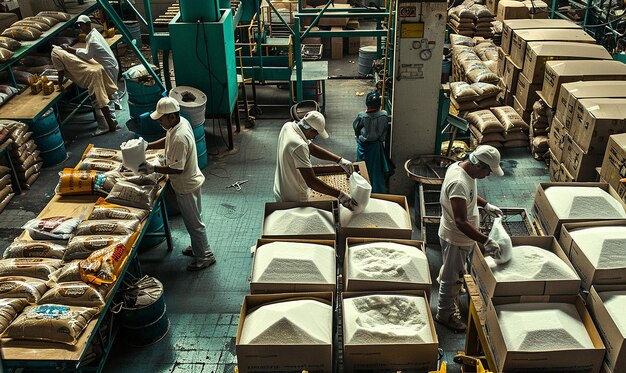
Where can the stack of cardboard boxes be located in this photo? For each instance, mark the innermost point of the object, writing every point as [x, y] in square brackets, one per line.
[513, 9]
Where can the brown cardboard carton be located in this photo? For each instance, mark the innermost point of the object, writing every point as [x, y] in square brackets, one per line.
[554, 167]
[614, 161]
[547, 218]
[333, 21]
[564, 175]
[509, 98]
[576, 360]
[511, 74]
[501, 62]
[490, 287]
[526, 92]
[537, 53]
[336, 45]
[263, 287]
[559, 72]
[283, 357]
[581, 166]
[522, 111]
[614, 340]
[492, 5]
[274, 206]
[595, 119]
[353, 284]
[509, 9]
[556, 138]
[522, 37]
[588, 273]
[508, 26]
[570, 93]
[417, 357]
[354, 44]
[537, 9]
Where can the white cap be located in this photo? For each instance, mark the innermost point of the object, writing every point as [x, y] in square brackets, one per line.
[83, 19]
[490, 156]
[314, 119]
[166, 105]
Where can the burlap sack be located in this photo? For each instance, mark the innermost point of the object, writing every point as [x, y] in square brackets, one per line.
[21, 287]
[107, 227]
[74, 294]
[485, 121]
[29, 267]
[80, 247]
[462, 91]
[509, 118]
[34, 249]
[9, 308]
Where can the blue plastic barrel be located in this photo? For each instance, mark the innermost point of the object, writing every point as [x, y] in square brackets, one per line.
[137, 109]
[50, 143]
[46, 124]
[149, 126]
[198, 133]
[143, 94]
[146, 324]
[135, 31]
[154, 226]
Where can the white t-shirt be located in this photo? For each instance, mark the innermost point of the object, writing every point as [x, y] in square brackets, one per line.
[457, 184]
[293, 153]
[181, 154]
[97, 48]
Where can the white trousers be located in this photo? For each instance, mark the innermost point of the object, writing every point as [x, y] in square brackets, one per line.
[190, 207]
[451, 276]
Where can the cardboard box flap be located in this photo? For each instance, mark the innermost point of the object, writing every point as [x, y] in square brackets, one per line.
[604, 108]
[516, 24]
[596, 88]
[562, 49]
[584, 67]
[550, 34]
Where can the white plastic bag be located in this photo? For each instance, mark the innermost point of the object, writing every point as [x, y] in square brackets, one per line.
[499, 234]
[360, 191]
[134, 153]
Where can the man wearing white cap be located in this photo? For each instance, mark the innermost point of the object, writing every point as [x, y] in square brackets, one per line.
[186, 179]
[294, 171]
[458, 228]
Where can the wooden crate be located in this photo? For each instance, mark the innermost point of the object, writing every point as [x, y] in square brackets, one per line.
[334, 176]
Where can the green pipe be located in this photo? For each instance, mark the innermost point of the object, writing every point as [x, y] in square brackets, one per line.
[150, 26]
[137, 13]
[296, 45]
[344, 33]
[259, 46]
[343, 14]
[303, 36]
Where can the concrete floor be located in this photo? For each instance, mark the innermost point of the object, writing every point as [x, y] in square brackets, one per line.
[204, 307]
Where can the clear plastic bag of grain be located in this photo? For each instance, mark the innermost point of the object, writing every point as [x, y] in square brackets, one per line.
[52, 228]
[75, 294]
[69, 272]
[105, 210]
[9, 308]
[80, 247]
[129, 194]
[108, 227]
[34, 249]
[28, 288]
[29, 267]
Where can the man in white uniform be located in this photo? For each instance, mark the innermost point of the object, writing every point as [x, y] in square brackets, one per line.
[458, 229]
[294, 171]
[186, 179]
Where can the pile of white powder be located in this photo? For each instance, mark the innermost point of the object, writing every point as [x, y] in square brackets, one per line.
[531, 263]
[583, 203]
[384, 319]
[542, 327]
[387, 261]
[290, 322]
[378, 214]
[615, 303]
[299, 262]
[299, 221]
[605, 247]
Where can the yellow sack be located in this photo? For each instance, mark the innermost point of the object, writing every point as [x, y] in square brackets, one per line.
[105, 265]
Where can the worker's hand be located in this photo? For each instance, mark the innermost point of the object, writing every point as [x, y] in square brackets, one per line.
[65, 46]
[347, 201]
[492, 248]
[145, 168]
[347, 166]
[493, 210]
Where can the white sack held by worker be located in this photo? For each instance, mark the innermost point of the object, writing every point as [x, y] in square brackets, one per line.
[499, 234]
[134, 153]
[360, 191]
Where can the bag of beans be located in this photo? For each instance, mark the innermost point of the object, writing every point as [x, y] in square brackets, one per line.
[108, 227]
[30, 181]
[515, 135]
[22, 33]
[52, 228]
[485, 90]
[516, 144]
[509, 118]
[34, 249]
[105, 210]
[5, 55]
[73, 294]
[69, 272]
[462, 91]
[482, 75]
[485, 121]
[5, 181]
[540, 144]
[9, 308]
[104, 266]
[33, 24]
[27, 288]
[33, 61]
[59, 16]
[103, 153]
[50, 21]
[464, 106]
[9, 43]
[29, 267]
[129, 194]
[99, 165]
[80, 247]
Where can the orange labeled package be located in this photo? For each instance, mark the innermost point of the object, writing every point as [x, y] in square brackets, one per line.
[105, 265]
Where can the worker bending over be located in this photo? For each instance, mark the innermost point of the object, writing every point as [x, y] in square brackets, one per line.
[186, 179]
[458, 229]
[294, 171]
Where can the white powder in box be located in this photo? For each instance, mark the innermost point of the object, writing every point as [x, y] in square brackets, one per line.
[294, 262]
[387, 261]
[299, 221]
[542, 327]
[378, 214]
[615, 303]
[531, 263]
[583, 203]
[605, 247]
[384, 319]
[290, 322]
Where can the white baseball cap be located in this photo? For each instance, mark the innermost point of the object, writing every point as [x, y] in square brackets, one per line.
[314, 119]
[83, 19]
[166, 105]
[490, 156]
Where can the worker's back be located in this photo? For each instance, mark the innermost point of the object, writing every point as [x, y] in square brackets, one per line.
[292, 153]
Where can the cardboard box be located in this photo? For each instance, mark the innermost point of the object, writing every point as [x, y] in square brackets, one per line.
[522, 37]
[577, 360]
[490, 287]
[526, 92]
[392, 357]
[614, 340]
[581, 166]
[283, 357]
[595, 119]
[556, 138]
[509, 9]
[354, 44]
[588, 273]
[537, 9]
[351, 284]
[509, 26]
[559, 72]
[340, 22]
[537, 53]
[336, 45]
[258, 287]
[614, 161]
[545, 215]
[511, 75]
[501, 62]
[570, 93]
[399, 233]
[522, 111]
[274, 206]
[554, 166]
[564, 175]
[492, 5]
[509, 97]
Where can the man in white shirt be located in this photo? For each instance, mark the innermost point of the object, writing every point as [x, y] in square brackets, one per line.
[186, 179]
[294, 171]
[458, 228]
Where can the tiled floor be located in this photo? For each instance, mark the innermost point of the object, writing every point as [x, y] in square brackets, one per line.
[204, 307]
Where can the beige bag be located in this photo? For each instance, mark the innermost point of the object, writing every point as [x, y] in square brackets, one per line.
[27, 288]
[29, 267]
[9, 308]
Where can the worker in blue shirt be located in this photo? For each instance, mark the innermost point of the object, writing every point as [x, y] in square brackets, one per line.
[370, 129]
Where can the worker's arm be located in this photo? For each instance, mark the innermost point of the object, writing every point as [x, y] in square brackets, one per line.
[159, 144]
[459, 209]
[321, 153]
[167, 170]
[316, 184]
[61, 80]
[481, 201]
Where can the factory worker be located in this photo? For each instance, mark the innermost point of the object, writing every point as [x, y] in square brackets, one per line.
[294, 171]
[370, 129]
[186, 179]
[458, 228]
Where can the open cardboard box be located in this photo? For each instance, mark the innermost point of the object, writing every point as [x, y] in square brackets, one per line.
[490, 287]
[323, 205]
[587, 272]
[392, 357]
[354, 284]
[614, 340]
[258, 287]
[578, 360]
[282, 357]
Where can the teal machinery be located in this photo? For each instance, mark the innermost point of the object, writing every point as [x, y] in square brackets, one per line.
[203, 46]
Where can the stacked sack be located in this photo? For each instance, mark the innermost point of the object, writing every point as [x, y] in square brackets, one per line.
[471, 19]
[474, 60]
[24, 153]
[6, 181]
[465, 97]
[515, 129]
[540, 120]
[486, 129]
[35, 64]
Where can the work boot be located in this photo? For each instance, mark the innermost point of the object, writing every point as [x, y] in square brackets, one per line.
[201, 264]
[453, 321]
[188, 251]
[106, 111]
